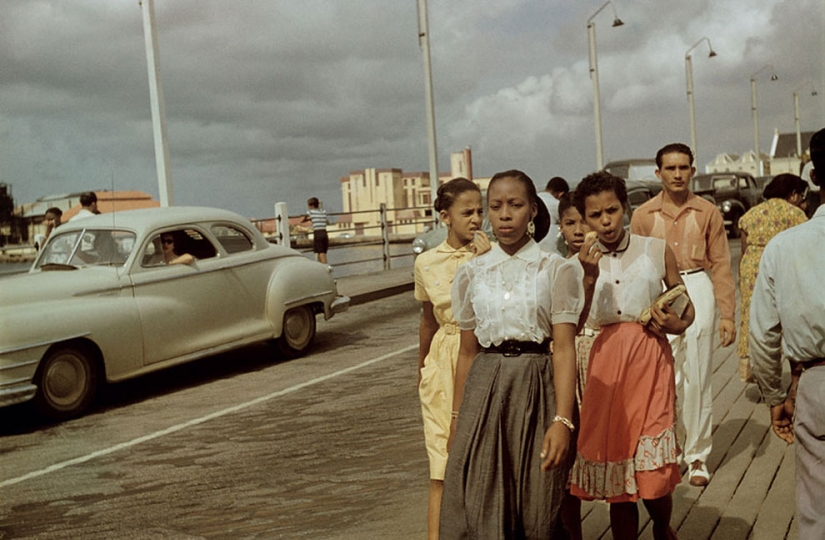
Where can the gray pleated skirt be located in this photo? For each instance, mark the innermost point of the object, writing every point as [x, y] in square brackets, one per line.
[494, 486]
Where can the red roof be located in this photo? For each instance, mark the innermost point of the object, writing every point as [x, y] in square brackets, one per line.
[116, 201]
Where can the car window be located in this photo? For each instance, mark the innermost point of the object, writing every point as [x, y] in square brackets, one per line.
[724, 183]
[177, 242]
[232, 239]
[89, 247]
[743, 183]
[637, 197]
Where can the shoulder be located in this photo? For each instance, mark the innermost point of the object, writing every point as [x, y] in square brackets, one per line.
[701, 203]
[652, 204]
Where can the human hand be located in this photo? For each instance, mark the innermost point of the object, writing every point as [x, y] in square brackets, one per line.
[727, 331]
[782, 420]
[555, 446]
[481, 243]
[589, 256]
[663, 320]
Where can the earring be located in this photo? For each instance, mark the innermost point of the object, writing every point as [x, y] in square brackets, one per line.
[531, 229]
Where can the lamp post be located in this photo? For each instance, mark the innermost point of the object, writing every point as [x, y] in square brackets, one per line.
[796, 115]
[691, 105]
[594, 76]
[424, 43]
[756, 113]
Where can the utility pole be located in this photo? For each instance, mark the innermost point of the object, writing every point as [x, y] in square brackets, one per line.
[424, 43]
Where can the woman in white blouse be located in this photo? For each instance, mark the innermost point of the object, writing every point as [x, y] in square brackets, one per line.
[627, 447]
[513, 404]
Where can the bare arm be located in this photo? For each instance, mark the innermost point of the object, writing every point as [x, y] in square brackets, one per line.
[466, 354]
[426, 330]
[557, 437]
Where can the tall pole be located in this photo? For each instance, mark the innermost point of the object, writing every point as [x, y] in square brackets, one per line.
[691, 105]
[157, 105]
[796, 116]
[594, 76]
[424, 43]
[755, 112]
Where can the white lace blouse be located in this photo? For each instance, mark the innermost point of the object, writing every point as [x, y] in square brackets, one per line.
[517, 297]
[630, 279]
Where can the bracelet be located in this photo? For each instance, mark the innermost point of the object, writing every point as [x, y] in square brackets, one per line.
[454, 415]
[566, 421]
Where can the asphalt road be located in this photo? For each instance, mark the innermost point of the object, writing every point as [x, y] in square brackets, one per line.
[242, 445]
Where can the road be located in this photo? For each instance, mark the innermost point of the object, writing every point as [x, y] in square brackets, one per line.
[243, 445]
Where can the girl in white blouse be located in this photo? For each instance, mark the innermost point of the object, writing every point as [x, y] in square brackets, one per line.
[513, 403]
[627, 447]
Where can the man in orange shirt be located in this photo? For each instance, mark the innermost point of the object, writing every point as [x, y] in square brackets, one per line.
[694, 229]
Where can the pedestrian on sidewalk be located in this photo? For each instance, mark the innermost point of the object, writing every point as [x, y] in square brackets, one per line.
[513, 403]
[694, 230]
[627, 447]
[459, 204]
[319, 219]
[787, 317]
[779, 212]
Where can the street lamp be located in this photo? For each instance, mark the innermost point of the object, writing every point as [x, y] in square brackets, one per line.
[424, 43]
[594, 75]
[692, 107]
[756, 112]
[796, 115]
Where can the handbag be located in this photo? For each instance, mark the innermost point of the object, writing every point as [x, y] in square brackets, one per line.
[676, 297]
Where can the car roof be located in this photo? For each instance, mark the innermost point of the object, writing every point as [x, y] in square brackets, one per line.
[153, 218]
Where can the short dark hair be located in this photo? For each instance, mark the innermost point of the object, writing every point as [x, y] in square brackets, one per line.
[557, 184]
[542, 219]
[817, 146]
[673, 148]
[313, 202]
[448, 192]
[596, 183]
[88, 198]
[783, 186]
[567, 202]
[54, 210]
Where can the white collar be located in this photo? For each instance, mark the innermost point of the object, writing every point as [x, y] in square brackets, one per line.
[528, 252]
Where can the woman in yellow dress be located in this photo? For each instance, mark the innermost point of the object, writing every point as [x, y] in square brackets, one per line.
[783, 196]
[460, 207]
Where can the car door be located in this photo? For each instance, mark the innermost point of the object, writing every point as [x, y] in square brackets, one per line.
[186, 309]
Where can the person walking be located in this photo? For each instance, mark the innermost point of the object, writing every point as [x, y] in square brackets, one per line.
[627, 447]
[513, 402]
[694, 230]
[757, 226]
[787, 318]
[459, 204]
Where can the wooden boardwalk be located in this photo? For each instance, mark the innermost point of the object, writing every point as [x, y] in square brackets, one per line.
[751, 490]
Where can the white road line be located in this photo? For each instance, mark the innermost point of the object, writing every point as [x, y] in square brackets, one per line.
[201, 420]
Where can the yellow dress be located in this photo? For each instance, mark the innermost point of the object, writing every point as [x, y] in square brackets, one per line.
[434, 273]
[761, 223]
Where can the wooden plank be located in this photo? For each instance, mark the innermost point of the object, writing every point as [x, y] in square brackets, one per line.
[776, 516]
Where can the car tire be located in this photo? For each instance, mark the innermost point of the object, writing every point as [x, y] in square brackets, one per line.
[67, 381]
[298, 331]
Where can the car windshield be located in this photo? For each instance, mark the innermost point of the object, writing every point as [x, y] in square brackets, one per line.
[88, 247]
[724, 183]
[633, 171]
[702, 183]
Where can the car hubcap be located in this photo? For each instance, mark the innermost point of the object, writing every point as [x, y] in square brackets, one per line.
[296, 328]
[65, 380]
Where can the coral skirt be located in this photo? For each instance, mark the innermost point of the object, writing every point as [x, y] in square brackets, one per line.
[627, 446]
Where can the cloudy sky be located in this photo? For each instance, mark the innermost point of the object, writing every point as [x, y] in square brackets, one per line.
[275, 100]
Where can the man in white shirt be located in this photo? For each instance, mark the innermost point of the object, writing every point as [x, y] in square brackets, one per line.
[556, 187]
[88, 203]
[788, 316]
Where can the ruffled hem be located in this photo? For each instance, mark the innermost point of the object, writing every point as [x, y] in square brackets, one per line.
[604, 480]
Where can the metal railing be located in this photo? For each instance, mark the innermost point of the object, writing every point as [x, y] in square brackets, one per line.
[352, 236]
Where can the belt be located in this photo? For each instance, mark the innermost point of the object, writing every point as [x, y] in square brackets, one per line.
[800, 367]
[692, 271]
[511, 347]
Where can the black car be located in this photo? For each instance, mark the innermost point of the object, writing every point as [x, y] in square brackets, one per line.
[735, 194]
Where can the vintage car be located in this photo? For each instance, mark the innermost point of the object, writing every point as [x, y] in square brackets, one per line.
[101, 304]
[735, 193]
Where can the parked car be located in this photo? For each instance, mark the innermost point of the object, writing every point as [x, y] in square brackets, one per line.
[99, 304]
[734, 192]
[633, 169]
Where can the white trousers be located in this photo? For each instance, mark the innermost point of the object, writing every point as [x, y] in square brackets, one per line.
[693, 356]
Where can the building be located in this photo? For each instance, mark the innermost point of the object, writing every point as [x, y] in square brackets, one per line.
[784, 157]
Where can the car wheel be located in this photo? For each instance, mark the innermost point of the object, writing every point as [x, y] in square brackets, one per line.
[66, 383]
[298, 331]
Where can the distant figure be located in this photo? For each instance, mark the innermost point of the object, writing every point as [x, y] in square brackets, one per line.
[88, 203]
[786, 319]
[556, 187]
[173, 254]
[51, 219]
[695, 231]
[318, 216]
[779, 212]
